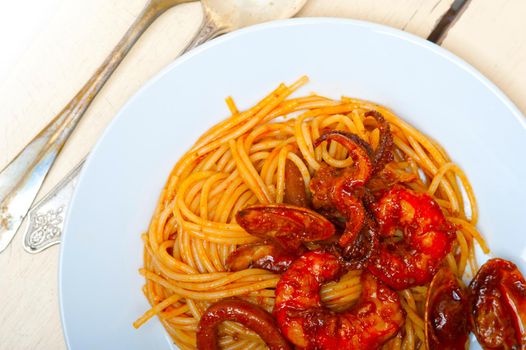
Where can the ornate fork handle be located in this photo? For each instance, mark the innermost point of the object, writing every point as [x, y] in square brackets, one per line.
[46, 218]
[21, 180]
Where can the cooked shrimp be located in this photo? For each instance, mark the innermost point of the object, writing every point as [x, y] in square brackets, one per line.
[427, 238]
[303, 320]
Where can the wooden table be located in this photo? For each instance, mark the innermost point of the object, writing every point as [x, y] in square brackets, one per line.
[76, 35]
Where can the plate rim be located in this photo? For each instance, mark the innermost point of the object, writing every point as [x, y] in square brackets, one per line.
[297, 21]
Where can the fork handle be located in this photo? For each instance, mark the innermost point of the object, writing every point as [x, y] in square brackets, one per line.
[210, 28]
[22, 178]
[46, 218]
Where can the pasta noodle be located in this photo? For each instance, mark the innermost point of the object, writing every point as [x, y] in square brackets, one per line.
[240, 162]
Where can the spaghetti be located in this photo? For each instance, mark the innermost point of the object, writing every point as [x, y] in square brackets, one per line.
[241, 162]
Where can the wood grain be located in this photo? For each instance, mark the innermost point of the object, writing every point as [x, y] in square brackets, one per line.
[54, 67]
[491, 36]
[414, 16]
[81, 33]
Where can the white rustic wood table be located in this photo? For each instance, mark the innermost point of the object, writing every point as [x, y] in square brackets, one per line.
[73, 37]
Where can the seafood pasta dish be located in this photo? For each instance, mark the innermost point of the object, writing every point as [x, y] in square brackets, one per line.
[314, 223]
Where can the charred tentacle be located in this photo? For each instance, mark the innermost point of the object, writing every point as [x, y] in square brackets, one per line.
[248, 314]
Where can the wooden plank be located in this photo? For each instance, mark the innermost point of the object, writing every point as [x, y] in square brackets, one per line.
[63, 56]
[414, 16]
[61, 60]
[70, 45]
[491, 35]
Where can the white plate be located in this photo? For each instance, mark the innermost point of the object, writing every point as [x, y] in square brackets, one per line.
[100, 288]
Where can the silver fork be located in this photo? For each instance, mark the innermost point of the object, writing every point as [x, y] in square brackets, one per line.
[47, 216]
[22, 178]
